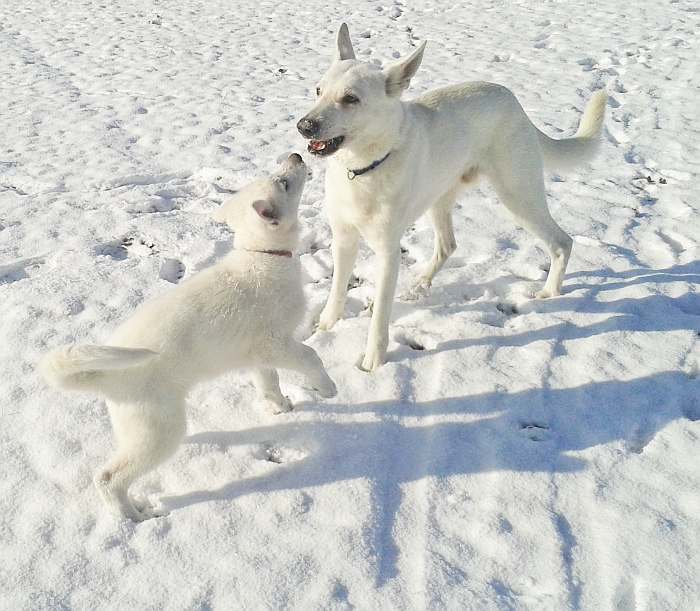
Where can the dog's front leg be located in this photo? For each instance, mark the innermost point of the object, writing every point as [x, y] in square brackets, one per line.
[378, 338]
[344, 247]
[267, 385]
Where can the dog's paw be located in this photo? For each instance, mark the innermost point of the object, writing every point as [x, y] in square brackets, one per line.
[276, 406]
[418, 291]
[546, 294]
[372, 360]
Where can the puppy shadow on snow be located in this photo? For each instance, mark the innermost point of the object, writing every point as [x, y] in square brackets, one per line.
[527, 431]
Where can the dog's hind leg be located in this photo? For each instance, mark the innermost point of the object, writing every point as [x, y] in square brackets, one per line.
[520, 187]
[267, 385]
[146, 435]
[444, 244]
[344, 248]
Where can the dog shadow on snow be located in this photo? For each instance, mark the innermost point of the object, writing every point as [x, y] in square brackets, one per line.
[533, 430]
[527, 431]
[653, 312]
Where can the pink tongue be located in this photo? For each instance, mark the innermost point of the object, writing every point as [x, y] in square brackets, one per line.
[318, 145]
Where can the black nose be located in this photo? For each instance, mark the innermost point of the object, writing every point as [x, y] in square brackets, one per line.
[307, 127]
[296, 158]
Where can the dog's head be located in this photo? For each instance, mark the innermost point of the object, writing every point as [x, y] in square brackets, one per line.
[265, 211]
[356, 100]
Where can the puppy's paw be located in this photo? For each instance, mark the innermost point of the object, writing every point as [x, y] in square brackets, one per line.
[276, 406]
[145, 511]
[327, 388]
[329, 316]
[326, 324]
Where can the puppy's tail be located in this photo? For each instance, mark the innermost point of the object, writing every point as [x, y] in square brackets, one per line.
[87, 367]
[569, 152]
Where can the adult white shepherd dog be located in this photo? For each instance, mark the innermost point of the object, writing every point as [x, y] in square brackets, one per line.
[393, 160]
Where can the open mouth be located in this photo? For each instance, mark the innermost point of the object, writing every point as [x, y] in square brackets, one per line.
[325, 147]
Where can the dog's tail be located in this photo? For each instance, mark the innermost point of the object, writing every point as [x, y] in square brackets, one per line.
[569, 152]
[87, 367]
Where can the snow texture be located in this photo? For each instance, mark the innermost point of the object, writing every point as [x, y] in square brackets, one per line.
[512, 454]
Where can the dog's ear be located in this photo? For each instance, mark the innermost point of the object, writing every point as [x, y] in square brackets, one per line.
[399, 74]
[267, 211]
[344, 48]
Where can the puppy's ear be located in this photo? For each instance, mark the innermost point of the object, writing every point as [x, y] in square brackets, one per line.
[267, 212]
[399, 75]
[344, 48]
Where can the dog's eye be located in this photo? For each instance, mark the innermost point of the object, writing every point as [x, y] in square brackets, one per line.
[318, 91]
[349, 98]
[284, 183]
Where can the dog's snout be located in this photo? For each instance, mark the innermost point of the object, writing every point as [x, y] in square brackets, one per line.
[307, 127]
[296, 158]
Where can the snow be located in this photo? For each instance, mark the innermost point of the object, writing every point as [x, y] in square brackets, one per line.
[512, 454]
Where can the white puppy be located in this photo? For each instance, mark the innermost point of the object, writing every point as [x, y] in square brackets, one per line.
[394, 160]
[241, 312]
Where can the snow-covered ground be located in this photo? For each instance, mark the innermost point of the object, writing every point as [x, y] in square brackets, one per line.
[513, 454]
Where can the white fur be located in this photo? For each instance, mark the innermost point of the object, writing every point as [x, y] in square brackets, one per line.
[438, 144]
[241, 312]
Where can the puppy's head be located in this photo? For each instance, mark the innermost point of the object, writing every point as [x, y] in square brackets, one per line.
[356, 100]
[265, 211]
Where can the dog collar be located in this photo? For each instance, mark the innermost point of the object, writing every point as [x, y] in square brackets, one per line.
[353, 173]
[279, 253]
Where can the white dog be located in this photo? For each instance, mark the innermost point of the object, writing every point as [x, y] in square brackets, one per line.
[241, 312]
[394, 160]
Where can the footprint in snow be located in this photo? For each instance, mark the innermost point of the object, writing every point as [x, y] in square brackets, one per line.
[20, 269]
[640, 438]
[172, 270]
[395, 12]
[411, 343]
[587, 63]
[535, 431]
[354, 282]
[414, 343]
[116, 249]
[119, 250]
[509, 309]
[406, 258]
[504, 524]
[541, 40]
[271, 452]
